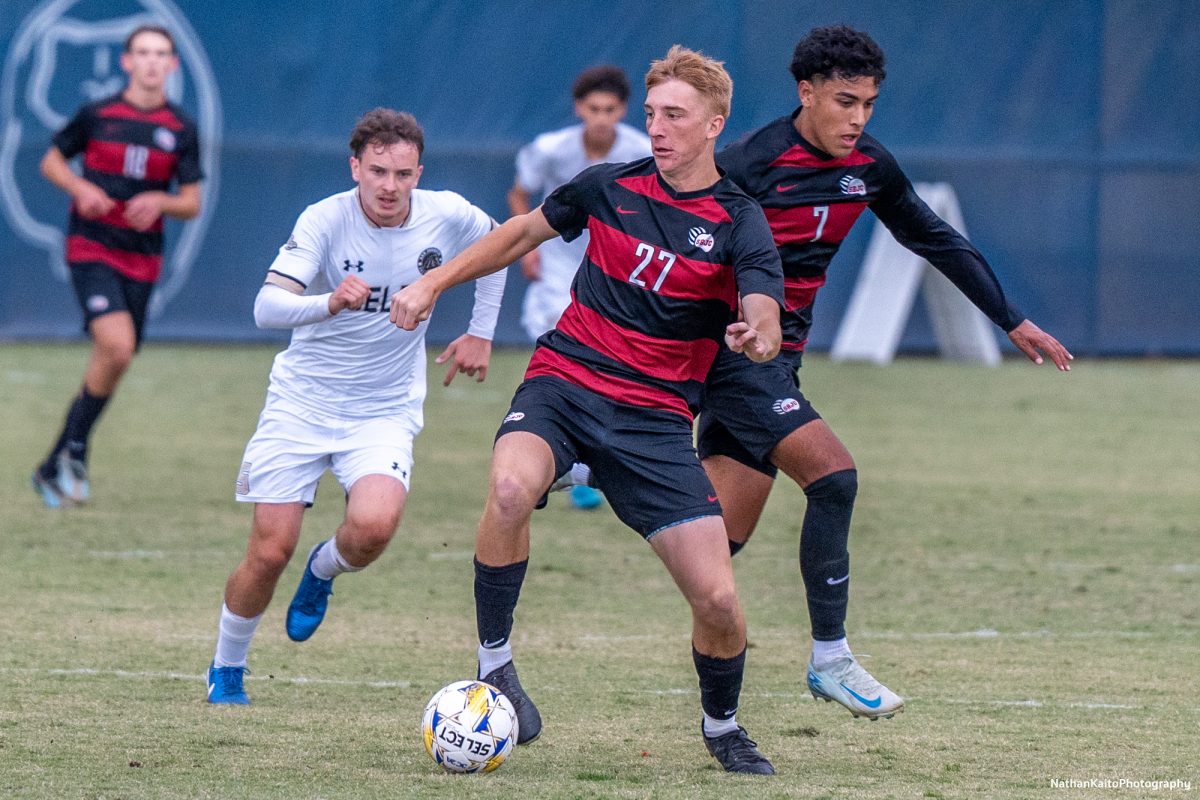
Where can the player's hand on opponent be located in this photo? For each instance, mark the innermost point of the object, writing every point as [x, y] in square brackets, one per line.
[91, 200]
[531, 266]
[1034, 342]
[412, 305]
[143, 210]
[352, 292]
[468, 354]
[741, 338]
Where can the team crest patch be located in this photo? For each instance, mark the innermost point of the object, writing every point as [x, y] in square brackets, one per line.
[290, 244]
[701, 238]
[97, 303]
[851, 185]
[164, 139]
[430, 258]
[786, 405]
[515, 416]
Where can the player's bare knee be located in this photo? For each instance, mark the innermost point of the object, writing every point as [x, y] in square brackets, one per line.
[116, 355]
[511, 500]
[268, 561]
[719, 609]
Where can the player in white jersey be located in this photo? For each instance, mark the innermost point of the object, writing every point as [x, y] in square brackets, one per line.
[601, 95]
[552, 159]
[347, 393]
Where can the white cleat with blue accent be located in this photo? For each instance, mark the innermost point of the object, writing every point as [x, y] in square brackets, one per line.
[846, 682]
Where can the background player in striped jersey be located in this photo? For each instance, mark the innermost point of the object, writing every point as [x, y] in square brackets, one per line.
[553, 158]
[134, 146]
[673, 247]
[814, 172]
[347, 393]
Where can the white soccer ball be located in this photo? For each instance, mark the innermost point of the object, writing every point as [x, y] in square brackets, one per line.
[469, 726]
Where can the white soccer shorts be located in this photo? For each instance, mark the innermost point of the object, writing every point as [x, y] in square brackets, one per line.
[293, 447]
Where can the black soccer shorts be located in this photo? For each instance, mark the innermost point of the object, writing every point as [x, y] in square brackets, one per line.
[642, 459]
[748, 408]
[102, 290]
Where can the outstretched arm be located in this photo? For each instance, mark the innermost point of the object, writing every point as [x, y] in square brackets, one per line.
[498, 249]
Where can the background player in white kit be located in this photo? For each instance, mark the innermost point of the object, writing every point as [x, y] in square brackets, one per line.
[347, 393]
[601, 96]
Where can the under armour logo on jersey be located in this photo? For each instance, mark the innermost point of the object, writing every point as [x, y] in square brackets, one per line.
[347, 266]
[701, 238]
[515, 416]
[852, 185]
[786, 405]
[290, 244]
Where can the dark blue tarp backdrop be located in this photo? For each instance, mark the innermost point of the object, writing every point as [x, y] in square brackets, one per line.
[1070, 131]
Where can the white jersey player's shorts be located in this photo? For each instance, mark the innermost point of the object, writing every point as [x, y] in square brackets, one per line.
[293, 447]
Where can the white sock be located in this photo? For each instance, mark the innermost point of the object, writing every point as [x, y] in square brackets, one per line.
[714, 727]
[581, 474]
[329, 562]
[492, 657]
[233, 638]
[825, 653]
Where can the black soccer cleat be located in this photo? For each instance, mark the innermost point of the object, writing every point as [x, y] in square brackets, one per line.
[529, 721]
[737, 752]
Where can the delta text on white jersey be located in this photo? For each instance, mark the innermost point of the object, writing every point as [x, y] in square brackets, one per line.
[358, 363]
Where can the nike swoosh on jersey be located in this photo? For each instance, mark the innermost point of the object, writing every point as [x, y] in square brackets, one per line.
[625, 210]
[785, 187]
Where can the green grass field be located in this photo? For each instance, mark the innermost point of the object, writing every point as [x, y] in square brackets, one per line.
[1026, 557]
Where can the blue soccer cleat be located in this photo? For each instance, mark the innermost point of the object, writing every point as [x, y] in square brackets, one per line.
[48, 491]
[846, 682]
[225, 685]
[72, 480]
[585, 497]
[308, 606]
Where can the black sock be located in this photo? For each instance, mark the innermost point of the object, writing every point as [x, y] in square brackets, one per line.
[82, 414]
[496, 593]
[824, 555]
[734, 547]
[720, 683]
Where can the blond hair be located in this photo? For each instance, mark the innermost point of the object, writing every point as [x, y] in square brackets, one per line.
[706, 75]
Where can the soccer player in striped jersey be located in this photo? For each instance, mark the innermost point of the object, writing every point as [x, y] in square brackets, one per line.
[135, 145]
[814, 172]
[680, 265]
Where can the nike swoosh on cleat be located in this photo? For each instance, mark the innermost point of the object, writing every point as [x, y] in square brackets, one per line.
[842, 579]
[211, 686]
[868, 703]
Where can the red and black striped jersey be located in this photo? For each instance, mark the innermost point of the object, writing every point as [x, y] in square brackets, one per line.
[127, 150]
[812, 199]
[658, 284]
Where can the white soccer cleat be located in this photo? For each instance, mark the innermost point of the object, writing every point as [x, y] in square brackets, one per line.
[846, 682]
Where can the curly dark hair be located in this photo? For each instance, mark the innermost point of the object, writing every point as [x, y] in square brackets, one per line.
[603, 78]
[837, 51]
[385, 127]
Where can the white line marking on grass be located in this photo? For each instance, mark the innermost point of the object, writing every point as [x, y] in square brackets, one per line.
[127, 554]
[804, 695]
[300, 680]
